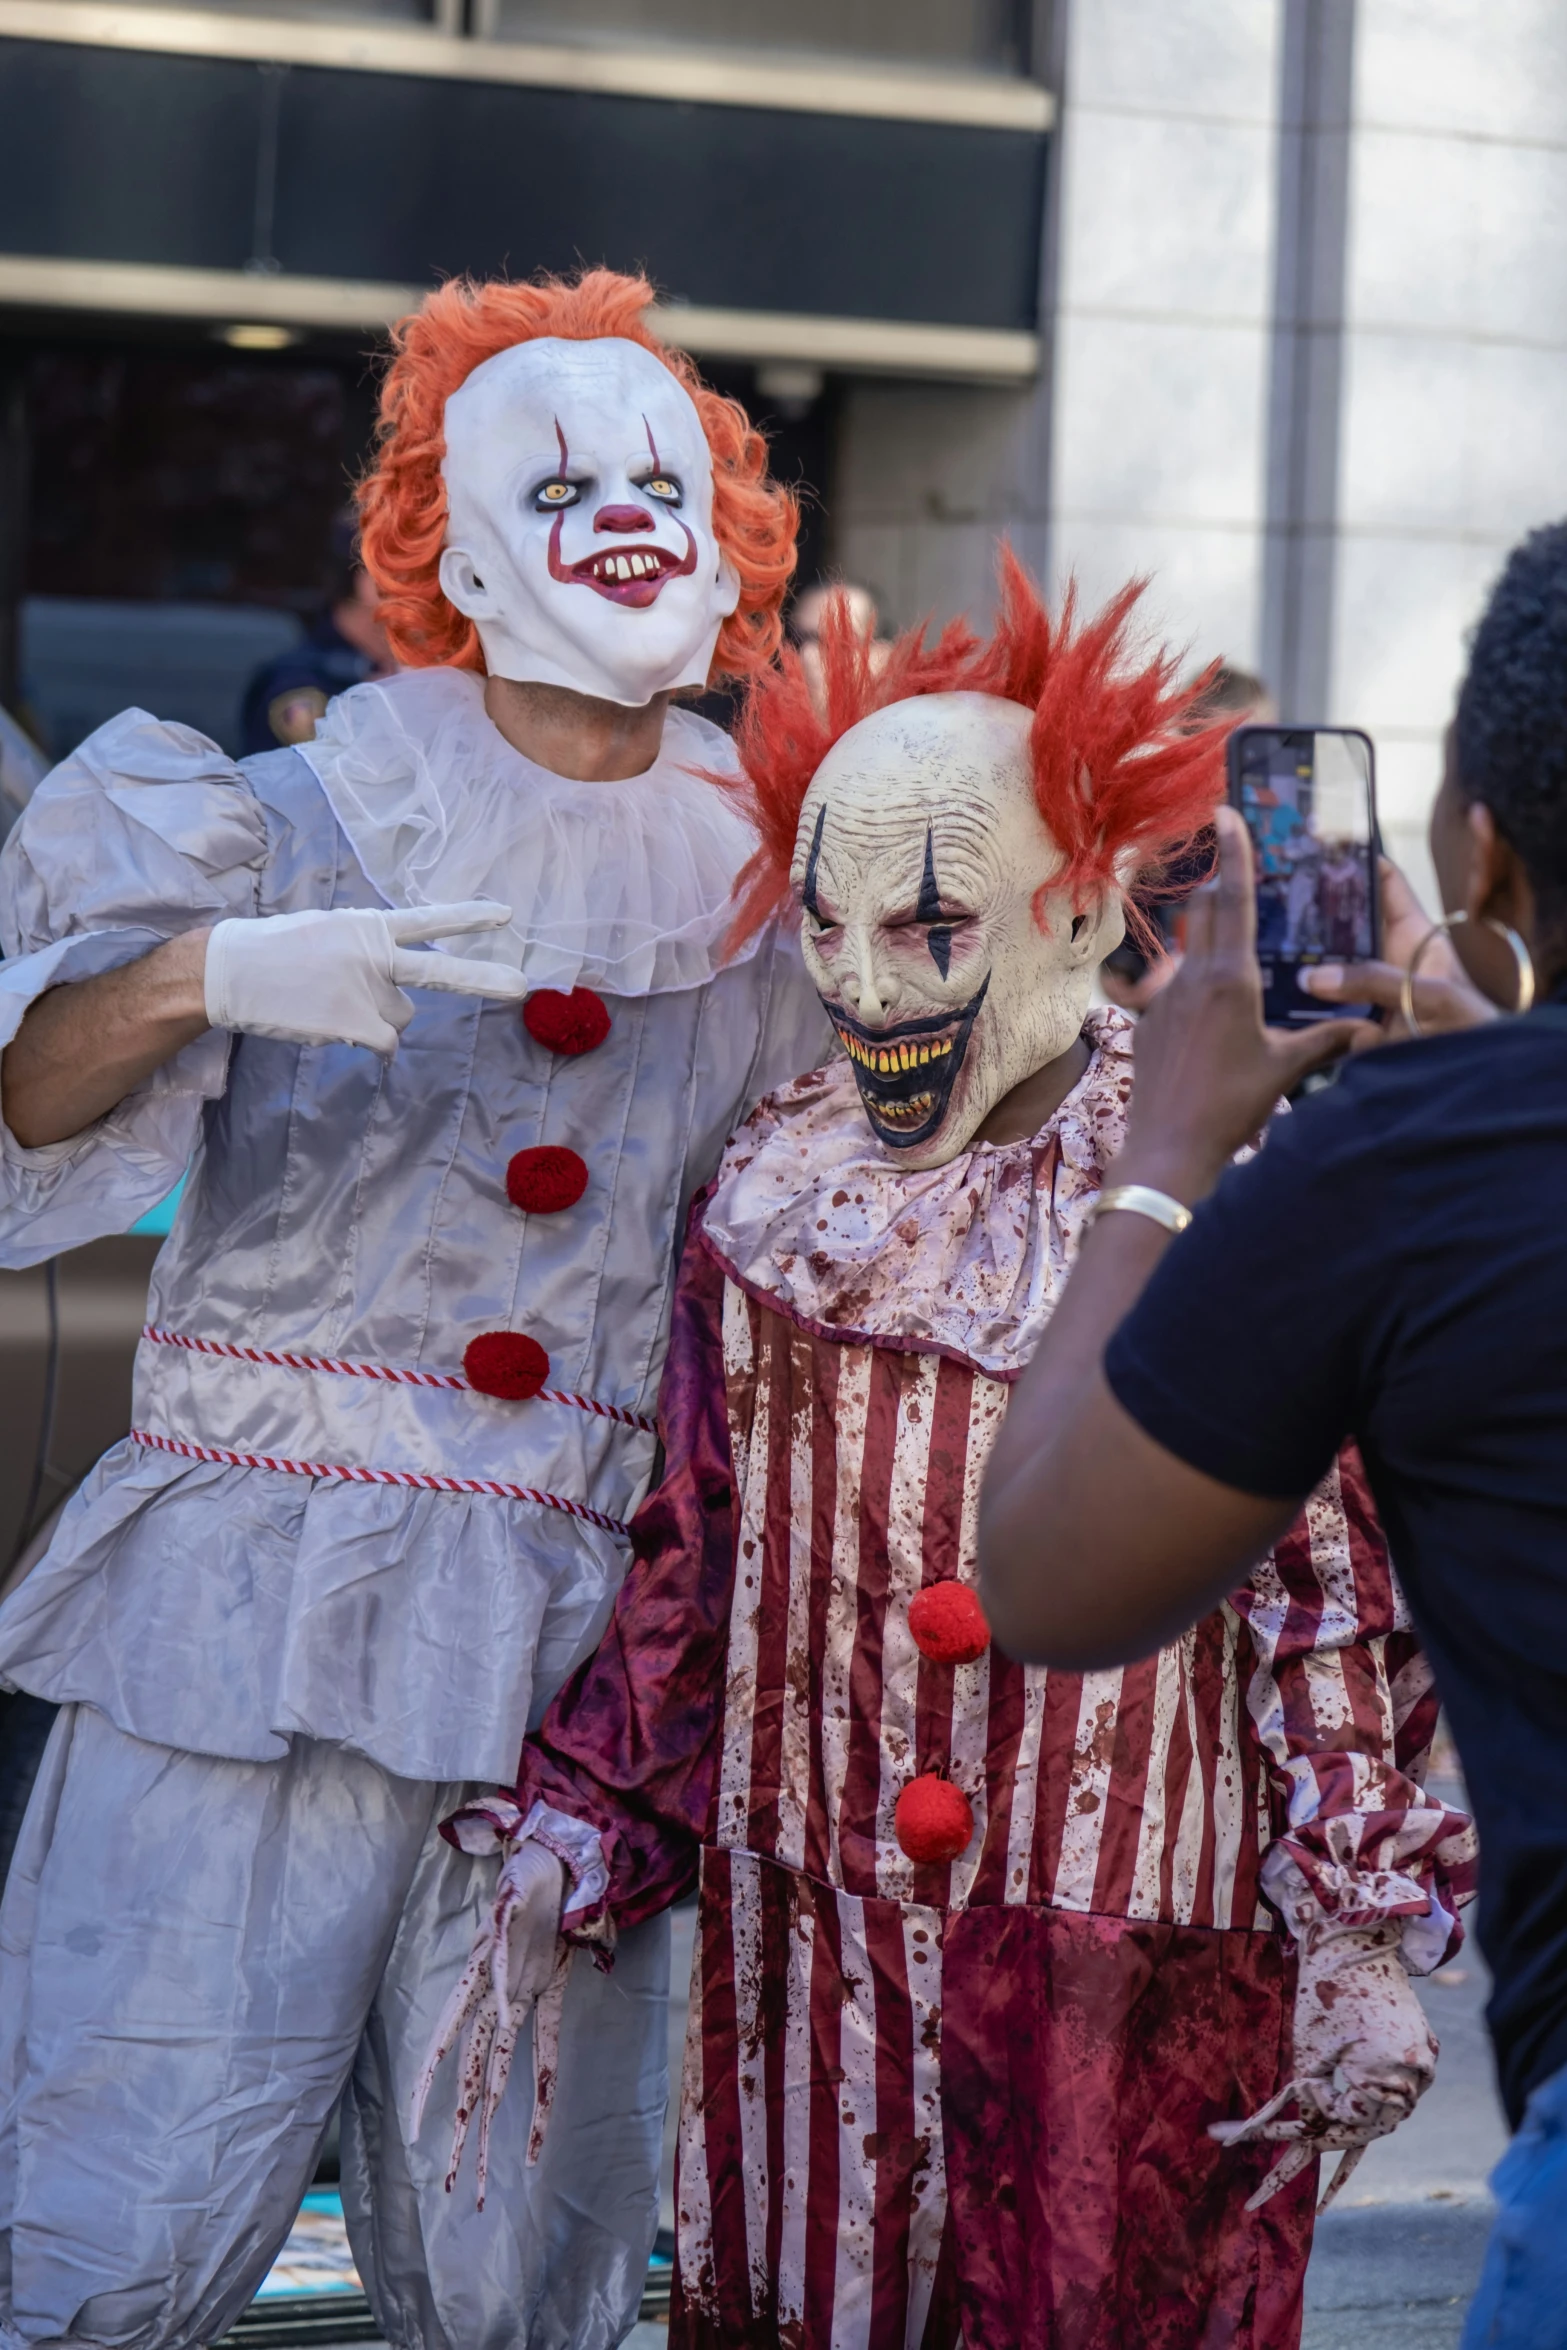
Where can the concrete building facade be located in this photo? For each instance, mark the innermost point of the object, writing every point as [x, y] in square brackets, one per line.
[1304, 340]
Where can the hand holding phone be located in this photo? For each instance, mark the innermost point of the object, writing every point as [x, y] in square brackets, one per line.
[1308, 798]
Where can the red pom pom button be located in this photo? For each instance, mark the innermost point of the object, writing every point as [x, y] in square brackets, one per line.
[506, 1364]
[933, 1819]
[948, 1624]
[543, 1181]
[575, 1023]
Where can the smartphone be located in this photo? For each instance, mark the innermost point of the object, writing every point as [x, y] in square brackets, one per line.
[1308, 795]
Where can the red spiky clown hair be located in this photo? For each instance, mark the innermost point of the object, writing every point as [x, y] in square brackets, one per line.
[1122, 779]
[402, 500]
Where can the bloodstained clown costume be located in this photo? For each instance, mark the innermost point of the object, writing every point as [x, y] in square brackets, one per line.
[983, 1950]
[394, 1403]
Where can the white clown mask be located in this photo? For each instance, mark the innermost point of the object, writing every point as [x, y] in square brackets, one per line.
[579, 535]
[919, 854]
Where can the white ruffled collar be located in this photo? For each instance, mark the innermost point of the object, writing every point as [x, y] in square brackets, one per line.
[811, 1215]
[625, 887]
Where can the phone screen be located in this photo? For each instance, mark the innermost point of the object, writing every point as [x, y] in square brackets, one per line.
[1308, 795]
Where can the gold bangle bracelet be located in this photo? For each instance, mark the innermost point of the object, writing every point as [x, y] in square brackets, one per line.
[1140, 1199]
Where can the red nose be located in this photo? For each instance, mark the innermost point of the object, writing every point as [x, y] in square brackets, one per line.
[623, 518]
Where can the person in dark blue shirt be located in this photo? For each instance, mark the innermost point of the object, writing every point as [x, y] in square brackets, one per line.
[1391, 1267]
[344, 644]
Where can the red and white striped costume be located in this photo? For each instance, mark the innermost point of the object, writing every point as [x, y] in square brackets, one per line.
[920, 2098]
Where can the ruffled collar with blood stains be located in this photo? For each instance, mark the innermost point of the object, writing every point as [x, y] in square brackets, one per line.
[809, 1214]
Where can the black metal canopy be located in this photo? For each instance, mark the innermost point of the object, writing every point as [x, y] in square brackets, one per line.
[208, 162]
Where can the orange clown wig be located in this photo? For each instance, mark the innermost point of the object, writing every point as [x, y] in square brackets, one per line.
[1123, 780]
[402, 500]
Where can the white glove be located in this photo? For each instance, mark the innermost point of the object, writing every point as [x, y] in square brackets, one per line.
[1364, 2052]
[337, 976]
[517, 1961]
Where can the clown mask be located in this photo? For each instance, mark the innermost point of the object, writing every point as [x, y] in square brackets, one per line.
[919, 855]
[579, 536]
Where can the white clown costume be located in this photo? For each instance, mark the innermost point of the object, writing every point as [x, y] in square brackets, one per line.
[325, 1585]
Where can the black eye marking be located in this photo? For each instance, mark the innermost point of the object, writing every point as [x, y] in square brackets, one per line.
[929, 907]
[1077, 923]
[938, 935]
[808, 894]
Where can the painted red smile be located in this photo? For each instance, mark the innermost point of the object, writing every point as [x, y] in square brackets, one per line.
[626, 574]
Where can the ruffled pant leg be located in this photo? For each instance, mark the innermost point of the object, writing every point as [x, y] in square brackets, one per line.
[193, 1952]
[558, 2257]
[190, 1949]
[18, 1917]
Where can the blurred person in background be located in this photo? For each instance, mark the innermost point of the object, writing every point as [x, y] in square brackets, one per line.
[344, 645]
[1392, 1268]
[1237, 697]
[805, 625]
[1134, 974]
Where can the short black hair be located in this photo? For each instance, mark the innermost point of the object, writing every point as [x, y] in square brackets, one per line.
[1510, 734]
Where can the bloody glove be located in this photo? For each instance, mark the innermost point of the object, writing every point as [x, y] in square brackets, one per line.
[1363, 2051]
[518, 1963]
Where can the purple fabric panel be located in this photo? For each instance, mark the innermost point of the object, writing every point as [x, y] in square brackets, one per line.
[632, 1741]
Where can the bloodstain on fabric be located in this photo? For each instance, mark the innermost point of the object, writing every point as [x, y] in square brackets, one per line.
[1082, 2061]
[506, 1364]
[933, 1819]
[948, 1624]
[575, 1023]
[543, 1181]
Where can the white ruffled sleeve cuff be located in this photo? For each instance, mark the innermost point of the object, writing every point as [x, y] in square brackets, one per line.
[1361, 1898]
[496, 1824]
[60, 1194]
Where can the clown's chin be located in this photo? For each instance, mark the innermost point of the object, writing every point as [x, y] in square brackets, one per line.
[906, 1073]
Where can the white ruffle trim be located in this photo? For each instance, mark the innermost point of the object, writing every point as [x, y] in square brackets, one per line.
[1426, 1934]
[625, 887]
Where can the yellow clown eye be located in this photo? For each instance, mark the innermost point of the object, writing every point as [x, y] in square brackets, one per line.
[556, 493]
[663, 486]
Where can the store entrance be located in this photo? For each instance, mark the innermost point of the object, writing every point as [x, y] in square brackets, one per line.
[176, 527]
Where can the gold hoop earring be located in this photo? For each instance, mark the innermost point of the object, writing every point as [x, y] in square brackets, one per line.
[1449, 923]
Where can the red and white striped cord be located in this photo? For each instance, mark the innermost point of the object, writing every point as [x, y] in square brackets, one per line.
[416, 1480]
[398, 1376]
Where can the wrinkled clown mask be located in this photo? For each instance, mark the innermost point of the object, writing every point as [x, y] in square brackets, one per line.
[579, 535]
[919, 851]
